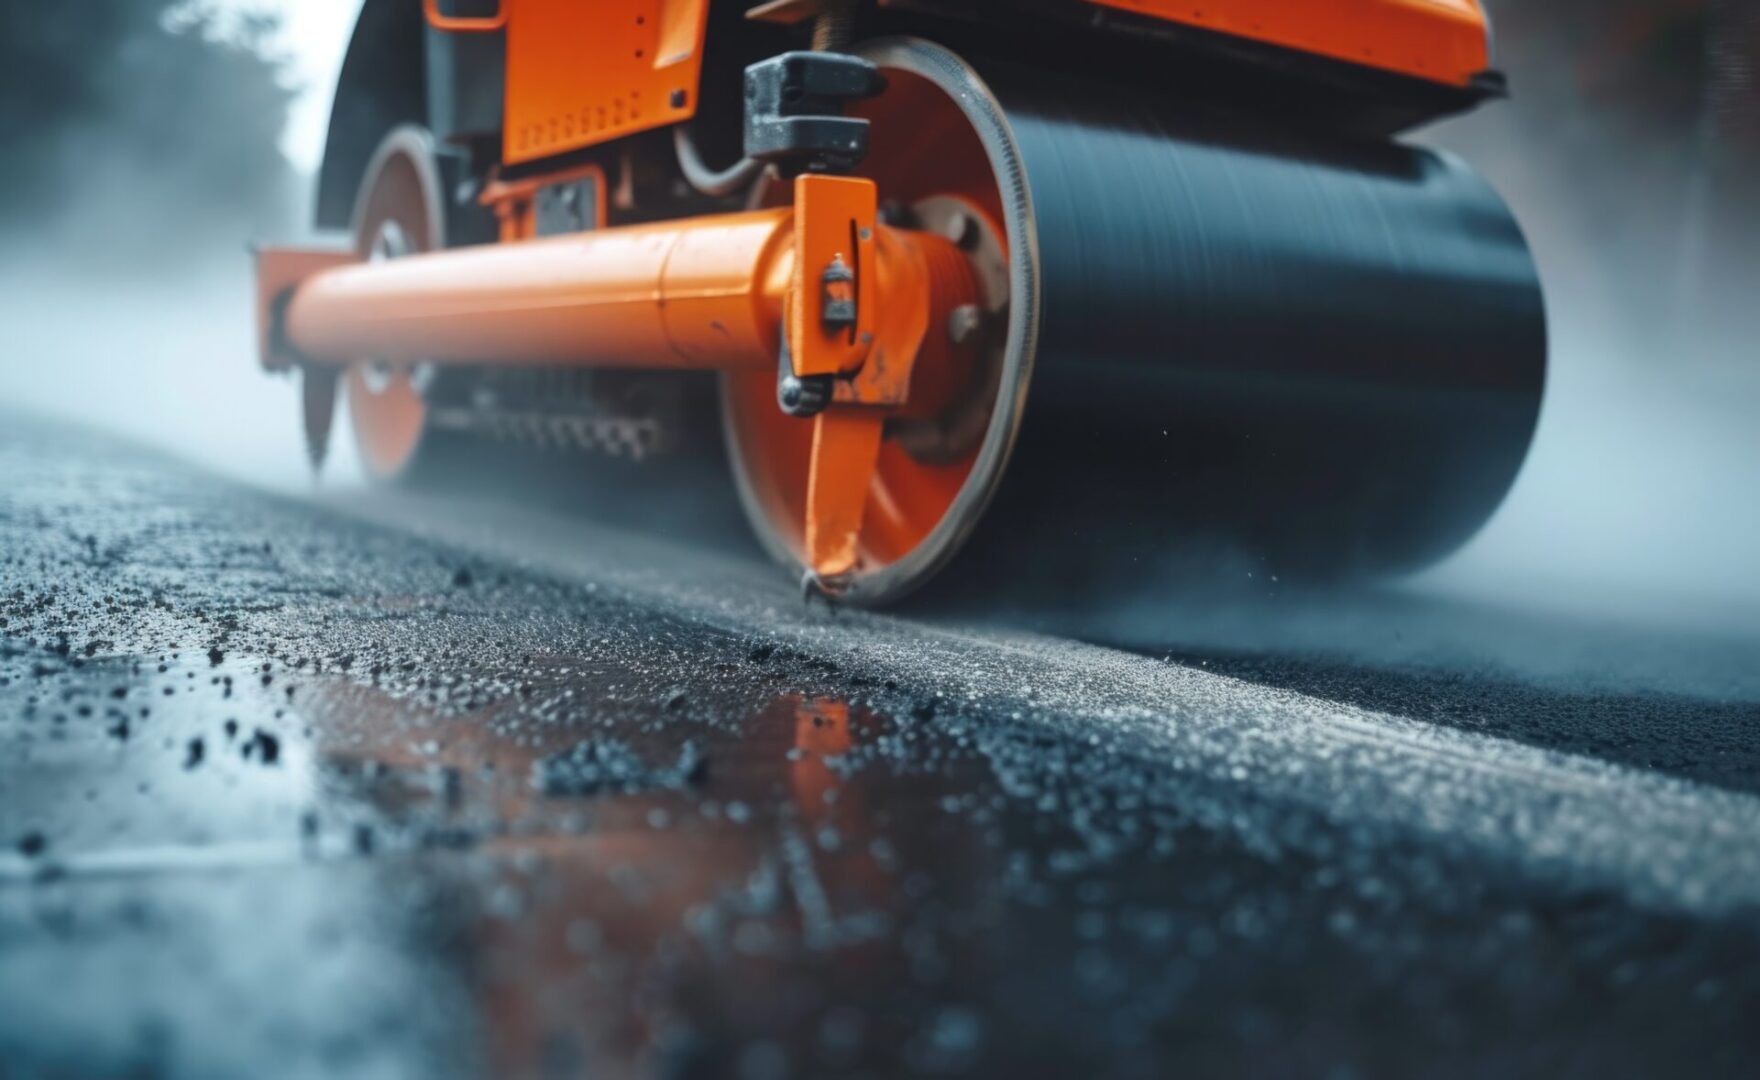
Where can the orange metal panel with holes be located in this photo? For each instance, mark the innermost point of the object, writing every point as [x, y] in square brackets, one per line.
[1444, 41]
[582, 72]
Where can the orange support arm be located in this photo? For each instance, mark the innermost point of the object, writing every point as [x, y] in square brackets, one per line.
[701, 293]
[697, 293]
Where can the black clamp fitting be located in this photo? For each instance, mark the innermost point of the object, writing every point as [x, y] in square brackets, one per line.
[800, 396]
[794, 111]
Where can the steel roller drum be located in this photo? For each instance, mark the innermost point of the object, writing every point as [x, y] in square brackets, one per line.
[1241, 341]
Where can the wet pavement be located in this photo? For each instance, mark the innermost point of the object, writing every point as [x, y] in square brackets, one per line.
[373, 787]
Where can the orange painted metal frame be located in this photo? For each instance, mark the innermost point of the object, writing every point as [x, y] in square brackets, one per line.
[583, 72]
[1445, 41]
[840, 473]
[707, 292]
[515, 206]
[835, 218]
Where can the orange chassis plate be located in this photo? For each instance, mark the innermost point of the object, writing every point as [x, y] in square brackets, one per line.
[580, 74]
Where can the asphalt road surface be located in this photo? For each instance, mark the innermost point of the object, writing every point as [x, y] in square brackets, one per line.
[425, 785]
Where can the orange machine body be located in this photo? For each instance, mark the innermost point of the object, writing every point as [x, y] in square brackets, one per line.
[1444, 41]
[581, 74]
[869, 328]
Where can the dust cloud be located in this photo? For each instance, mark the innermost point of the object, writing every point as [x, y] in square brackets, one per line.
[1628, 151]
[169, 363]
[147, 162]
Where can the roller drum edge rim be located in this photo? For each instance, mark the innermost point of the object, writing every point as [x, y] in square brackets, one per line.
[417, 144]
[389, 401]
[898, 579]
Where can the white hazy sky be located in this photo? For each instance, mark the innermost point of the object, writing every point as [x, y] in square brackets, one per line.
[314, 35]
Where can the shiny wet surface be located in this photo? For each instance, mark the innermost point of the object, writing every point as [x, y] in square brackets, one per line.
[287, 793]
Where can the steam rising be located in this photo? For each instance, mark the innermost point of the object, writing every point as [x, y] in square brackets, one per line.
[1632, 172]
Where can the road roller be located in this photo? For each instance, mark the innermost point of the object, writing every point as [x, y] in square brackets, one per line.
[1054, 289]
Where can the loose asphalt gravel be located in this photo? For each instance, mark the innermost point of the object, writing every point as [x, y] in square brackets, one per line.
[393, 784]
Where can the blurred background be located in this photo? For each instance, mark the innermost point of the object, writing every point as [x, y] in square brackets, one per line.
[148, 141]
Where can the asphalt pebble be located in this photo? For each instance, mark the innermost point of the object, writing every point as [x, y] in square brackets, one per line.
[601, 766]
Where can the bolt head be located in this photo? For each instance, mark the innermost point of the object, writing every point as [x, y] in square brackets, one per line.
[963, 322]
[961, 229]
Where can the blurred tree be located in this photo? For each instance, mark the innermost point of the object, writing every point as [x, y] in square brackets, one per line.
[138, 120]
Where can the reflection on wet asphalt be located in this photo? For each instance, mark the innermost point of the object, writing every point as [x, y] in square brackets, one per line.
[283, 791]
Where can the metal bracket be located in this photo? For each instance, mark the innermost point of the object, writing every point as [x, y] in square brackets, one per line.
[794, 111]
[833, 309]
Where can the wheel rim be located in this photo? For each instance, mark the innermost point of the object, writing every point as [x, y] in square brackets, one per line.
[938, 138]
[397, 214]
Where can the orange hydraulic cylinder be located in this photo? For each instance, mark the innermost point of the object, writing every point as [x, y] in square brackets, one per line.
[703, 292]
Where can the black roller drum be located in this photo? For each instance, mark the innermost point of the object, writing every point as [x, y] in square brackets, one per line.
[1320, 356]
